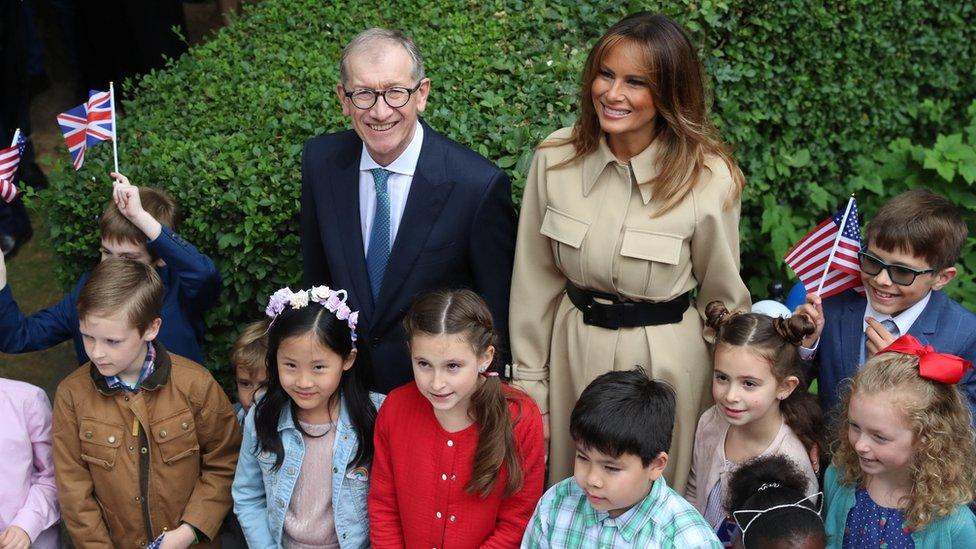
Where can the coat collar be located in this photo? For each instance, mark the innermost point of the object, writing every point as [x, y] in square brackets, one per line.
[160, 376]
[642, 168]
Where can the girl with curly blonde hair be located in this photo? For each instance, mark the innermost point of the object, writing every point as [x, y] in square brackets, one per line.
[905, 454]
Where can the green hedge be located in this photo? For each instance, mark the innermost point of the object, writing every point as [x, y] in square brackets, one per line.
[800, 91]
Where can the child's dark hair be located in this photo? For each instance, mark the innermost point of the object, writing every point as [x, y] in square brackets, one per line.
[776, 340]
[767, 482]
[464, 312]
[625, 412]
[922, 223]
[353, 386]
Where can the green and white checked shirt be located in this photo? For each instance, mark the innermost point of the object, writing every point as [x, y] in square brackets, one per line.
[564, 519]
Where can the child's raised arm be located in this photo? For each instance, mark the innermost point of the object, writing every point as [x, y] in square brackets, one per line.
[199, 278]
[41, 330]
[126, 197]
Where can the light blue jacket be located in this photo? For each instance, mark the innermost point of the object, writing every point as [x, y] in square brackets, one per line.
[957, 530]
[262, 495]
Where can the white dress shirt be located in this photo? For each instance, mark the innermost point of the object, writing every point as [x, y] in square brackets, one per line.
[398, 185]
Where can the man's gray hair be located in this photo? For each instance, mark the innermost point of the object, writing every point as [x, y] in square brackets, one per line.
[370, 37]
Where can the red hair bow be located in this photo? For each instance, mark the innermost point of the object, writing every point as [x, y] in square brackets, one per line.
[939, 367]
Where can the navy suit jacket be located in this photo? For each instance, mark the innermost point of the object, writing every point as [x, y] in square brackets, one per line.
[943, 324]
[457, 230]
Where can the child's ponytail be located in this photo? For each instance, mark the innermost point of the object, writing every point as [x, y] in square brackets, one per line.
[496, 440]
[463, 312]
[776, 340]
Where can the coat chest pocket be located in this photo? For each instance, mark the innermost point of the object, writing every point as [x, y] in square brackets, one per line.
[100, 442]
[175, 436]
[650, 263]
[567, 234]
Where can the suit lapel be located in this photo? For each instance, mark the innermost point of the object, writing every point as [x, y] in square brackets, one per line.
[927, 322]
[349, 224]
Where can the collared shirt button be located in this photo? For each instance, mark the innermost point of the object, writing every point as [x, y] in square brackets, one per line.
[453, 477]
[335, 470]
[453, 518]
[291, 470]
[138, 499]
[111, 439]
[438, 514]
[450, 443]
[444, 476]
[126, 398]
[132, 448]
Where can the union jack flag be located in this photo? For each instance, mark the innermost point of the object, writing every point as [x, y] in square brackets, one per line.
[87, 124]
[817, 252]
[9, 160]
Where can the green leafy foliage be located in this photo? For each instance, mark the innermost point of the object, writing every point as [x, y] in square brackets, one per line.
[946, 167]
[801, 91]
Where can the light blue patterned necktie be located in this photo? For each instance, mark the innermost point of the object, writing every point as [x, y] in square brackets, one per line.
[379, 235]
[889, 325]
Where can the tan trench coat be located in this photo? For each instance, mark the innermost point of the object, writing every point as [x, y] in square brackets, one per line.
[590, 223]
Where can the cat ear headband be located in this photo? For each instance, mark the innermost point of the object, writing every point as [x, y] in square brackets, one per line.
[333, 300]
[746, 517]
[934, 366]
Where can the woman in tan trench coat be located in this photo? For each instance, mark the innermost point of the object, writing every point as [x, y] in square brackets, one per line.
[622, 216]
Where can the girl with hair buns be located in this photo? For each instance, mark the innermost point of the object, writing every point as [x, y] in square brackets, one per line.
[761, 408]
[767, 497]
[624, 215]
[903, 468]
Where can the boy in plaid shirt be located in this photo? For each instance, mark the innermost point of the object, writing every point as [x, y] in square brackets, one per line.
[618, 497]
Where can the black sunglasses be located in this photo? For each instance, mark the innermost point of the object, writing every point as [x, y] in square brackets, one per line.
[899, 274]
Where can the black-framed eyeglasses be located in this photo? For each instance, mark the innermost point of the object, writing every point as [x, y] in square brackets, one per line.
[899, 274]
[395, 97]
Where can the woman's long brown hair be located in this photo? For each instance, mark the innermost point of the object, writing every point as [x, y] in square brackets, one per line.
[463, 313]
[677, 84]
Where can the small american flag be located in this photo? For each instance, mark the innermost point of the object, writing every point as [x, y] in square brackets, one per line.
[87, 124]
[830, 249]
[9, 161]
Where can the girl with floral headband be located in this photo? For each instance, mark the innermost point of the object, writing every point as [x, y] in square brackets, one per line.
[303, 473]
[903, 467]
[459, 456]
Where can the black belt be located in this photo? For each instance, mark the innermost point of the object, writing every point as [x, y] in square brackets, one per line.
[625, 314]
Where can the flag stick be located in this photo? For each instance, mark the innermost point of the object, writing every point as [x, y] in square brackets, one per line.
[833, 249]
[16, 135]
[115, 128]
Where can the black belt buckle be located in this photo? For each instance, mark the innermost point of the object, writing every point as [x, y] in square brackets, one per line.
[603, 315]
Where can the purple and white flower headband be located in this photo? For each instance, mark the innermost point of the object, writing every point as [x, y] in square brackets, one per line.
[333, 300]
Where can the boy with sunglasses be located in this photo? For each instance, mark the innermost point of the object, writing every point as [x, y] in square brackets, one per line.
[912, 245]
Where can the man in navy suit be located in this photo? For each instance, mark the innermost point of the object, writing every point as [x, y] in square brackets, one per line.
[392, 209]
[913, 243]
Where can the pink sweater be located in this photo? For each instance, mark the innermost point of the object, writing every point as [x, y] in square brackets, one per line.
[709, 464]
